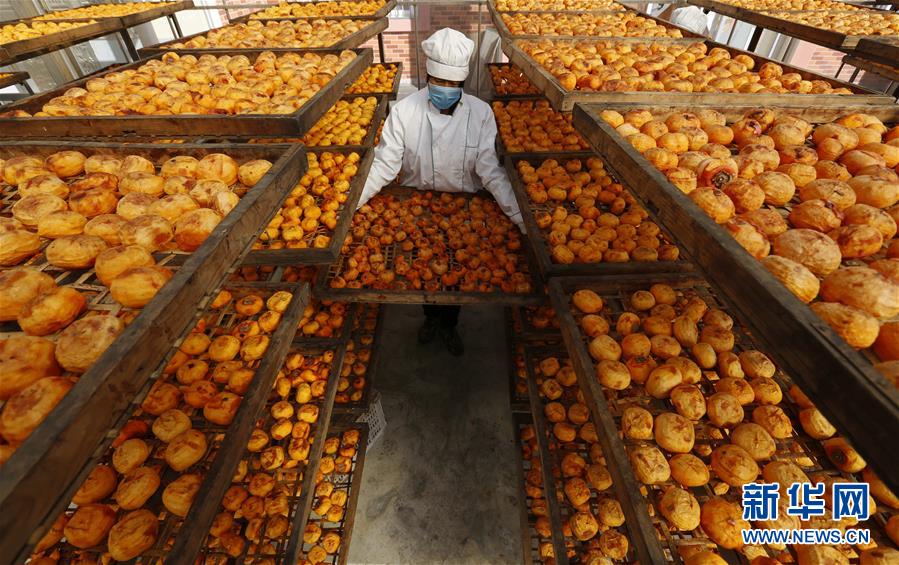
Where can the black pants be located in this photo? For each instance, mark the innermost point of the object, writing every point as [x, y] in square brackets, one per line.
[446, 316]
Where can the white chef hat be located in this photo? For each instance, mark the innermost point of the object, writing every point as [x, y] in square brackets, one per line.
[448, 52]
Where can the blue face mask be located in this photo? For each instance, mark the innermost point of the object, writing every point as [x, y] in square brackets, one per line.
[443, 97]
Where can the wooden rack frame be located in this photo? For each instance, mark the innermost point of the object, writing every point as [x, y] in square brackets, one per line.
[564, 100]
[307, 496]
[890, 73]
[226, 443]
[285, 125]
[541, 247]
[356, 333]
[621, 6]
[840, 380]
[351, 41]
[879, 50]
[66, 440]
[353, 485]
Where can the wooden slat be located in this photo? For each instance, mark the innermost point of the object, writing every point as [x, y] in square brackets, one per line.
[351, 41]
[191, 536]
[549, 483]
[301, 516]
[840, 381]
[284, 125]
[505, 33]
[33, 485]
[355, 487]
[564, 100]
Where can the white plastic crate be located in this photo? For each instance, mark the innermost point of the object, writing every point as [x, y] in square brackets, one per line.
[374, 417]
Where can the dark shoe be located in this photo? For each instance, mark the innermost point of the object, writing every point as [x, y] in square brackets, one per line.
[453, 341]
[427, 331]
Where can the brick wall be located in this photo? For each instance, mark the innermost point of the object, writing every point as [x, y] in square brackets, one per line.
[826, 61]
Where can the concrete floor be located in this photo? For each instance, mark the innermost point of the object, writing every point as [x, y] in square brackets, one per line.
[440, 484]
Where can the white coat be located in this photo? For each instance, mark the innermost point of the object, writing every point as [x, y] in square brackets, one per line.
[445, 152]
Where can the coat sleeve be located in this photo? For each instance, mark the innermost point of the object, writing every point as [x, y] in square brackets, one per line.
[388, 158]
[492, 175]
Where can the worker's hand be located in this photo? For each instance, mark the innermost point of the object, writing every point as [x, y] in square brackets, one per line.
[520, 224]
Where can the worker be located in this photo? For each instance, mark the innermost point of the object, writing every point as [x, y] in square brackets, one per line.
[442, 139]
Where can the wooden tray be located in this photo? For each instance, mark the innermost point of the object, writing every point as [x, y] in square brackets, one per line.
[494, 95]
[345, 218]
[394, 90]
[349, 42]
[183, 126]
[382, 12]
[138, 18]
[624, 484]
[226, 443]
[840, 380]
[27, 48]
[521, 332]
[452, 295]
[505, 33]
[217, 481]
[564, 100]
[351, 483]
[66, 440]
[367, 143]
[491, 7]
[290, 544]
[819, 36]
[615, 295]
[878, 50]
[357, 333]
[13, 78]
[538, 237]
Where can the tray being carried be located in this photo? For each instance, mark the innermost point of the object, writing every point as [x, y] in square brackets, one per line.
[432, 284]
